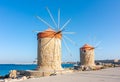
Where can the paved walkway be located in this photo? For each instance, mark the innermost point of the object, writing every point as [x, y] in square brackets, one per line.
[104, 75]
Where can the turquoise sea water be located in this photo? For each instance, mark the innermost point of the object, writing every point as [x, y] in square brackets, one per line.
[5, 68]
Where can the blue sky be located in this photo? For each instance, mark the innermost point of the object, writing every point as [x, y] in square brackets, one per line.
[91, 20]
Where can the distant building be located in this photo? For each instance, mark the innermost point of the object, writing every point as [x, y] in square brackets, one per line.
[116, 60]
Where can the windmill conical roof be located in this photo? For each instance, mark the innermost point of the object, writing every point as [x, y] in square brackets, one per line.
[49, 33]
[86, 46]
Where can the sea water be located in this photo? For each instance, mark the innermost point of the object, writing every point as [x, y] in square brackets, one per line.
[5, 68]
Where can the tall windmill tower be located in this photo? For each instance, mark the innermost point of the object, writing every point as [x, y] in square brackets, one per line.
[49, 50]
[49, 45]
[87, 55]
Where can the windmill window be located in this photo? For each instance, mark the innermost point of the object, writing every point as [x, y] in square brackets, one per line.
[84, 51]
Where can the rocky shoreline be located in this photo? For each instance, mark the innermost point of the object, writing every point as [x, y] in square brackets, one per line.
[17, 75]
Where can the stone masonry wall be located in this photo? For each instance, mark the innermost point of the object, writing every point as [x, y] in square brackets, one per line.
[87, 57]
[49, 54]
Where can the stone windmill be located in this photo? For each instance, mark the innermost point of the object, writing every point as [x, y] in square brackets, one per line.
[87, 55]
[49, 45]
